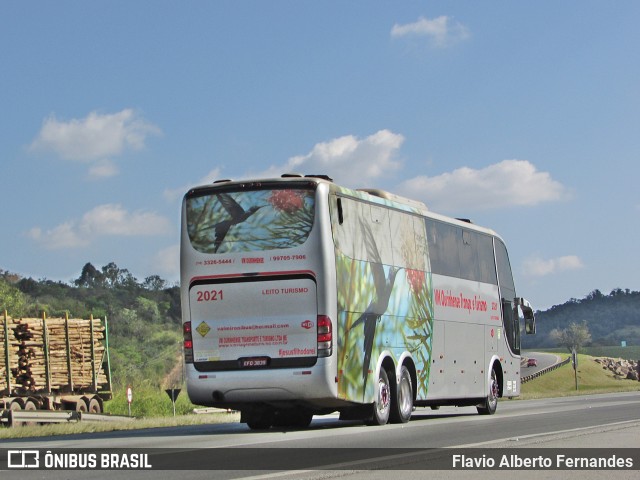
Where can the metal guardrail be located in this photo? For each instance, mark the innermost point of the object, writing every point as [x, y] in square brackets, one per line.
[101, 417]
[545, 370]
[20, 417]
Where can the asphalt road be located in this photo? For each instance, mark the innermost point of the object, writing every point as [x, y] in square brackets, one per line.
[586, 421]
[544, 360]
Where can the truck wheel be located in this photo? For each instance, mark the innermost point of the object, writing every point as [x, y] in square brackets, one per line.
[94, 406]
[382, 405]
[81, 406]
[15, 406]
[29, 406]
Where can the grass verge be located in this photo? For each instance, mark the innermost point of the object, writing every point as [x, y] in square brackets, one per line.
[592, 378]
[139, 423]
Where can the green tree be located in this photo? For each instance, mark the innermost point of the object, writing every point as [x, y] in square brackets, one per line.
[148, 310]
[129, 325]
[90, 277]
[154, 283]
[575, 336]
[11, 299]
[115, 276]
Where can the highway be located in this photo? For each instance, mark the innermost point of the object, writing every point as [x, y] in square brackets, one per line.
[582, 421]
[544, 360]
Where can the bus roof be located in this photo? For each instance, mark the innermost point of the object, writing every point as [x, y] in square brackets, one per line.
[370, 194]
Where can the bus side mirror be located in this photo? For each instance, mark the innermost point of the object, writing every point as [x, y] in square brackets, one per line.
[529, 317]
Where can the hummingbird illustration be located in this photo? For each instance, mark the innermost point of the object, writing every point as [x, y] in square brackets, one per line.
[237, 214]
[383, 286]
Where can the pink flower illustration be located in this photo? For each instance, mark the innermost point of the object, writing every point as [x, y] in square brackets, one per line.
[288, 201]
[416, 280]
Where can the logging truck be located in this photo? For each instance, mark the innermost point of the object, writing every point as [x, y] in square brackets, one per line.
[54, 364]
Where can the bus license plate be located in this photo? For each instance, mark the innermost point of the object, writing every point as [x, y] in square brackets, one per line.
[254, 362]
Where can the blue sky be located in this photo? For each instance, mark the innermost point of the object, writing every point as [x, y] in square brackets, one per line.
[523, 116]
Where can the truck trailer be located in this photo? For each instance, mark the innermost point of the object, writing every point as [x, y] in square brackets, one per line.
[54, 364]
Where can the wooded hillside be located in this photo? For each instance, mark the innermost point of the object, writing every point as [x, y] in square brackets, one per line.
[611, 319]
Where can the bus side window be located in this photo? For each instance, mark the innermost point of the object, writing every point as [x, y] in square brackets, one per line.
[486, 263]
[342, 229]
[508, 293]
[443, 248]
[511, 325]
[467, 251]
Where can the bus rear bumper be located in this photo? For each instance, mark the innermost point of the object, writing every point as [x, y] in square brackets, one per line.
[276, 387]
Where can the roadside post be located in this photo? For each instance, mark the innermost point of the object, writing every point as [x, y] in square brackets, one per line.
[574, 362]
[129, 398]
[173, 395]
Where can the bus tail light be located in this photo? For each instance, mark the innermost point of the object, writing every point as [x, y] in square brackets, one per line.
[187, 343]
[325, 336]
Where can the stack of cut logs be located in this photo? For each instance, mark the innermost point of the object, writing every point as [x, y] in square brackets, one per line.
[69, 365]
[13, 348]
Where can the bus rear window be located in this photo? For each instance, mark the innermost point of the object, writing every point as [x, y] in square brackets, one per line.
[249, 220]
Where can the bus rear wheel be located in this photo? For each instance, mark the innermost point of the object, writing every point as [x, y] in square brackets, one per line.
[260, 419]
[402, 398]
[490, 404]
[293, 418]
[382, 404]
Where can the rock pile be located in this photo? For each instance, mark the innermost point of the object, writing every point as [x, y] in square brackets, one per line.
[622, 369]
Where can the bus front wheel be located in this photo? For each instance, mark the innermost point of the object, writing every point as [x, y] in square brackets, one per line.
[490, 404]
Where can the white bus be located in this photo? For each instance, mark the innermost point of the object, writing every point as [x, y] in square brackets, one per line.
[301, 298]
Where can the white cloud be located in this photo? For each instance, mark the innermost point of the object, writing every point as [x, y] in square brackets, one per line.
[539, 267]
[505, 184]
[351, 161]
[441, 32]
[64, 235]
[173, 194]
[103, 169]
[104, 220]
[95, 138]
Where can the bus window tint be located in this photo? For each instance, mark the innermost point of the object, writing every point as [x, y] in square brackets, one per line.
[507, 287]
[253, 220]
[508, 293]
[462, 253]
[486, 262]
[443, 248]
